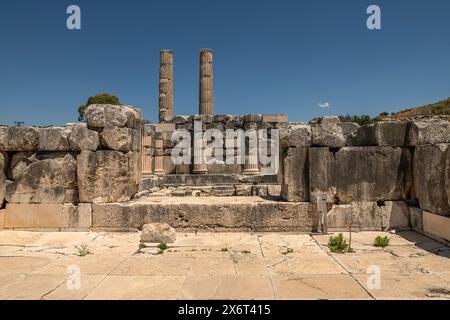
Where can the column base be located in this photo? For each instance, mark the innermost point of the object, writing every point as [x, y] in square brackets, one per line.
[159, 172]
[251, 172]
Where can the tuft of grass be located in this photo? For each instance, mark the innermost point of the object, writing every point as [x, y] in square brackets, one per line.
[287, 251]
[82, 250]
[381, 242]
[142, 246]
[162, 246]
[338, 244]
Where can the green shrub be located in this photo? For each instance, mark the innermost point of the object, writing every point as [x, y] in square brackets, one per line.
[381, 242]
[338, 244]
[102, 98]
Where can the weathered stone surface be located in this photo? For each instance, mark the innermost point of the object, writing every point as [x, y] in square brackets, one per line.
[326, 133]
[385, 134]
[358, 215]
[4, 161]
[436, 226]
[54, 139]
[83, 139]
[121, 139]
[164, 127]
[416, 219]
[295, 135]
[179, 119]
[47, 179]
[275, 118]
[431, 167]
[3, 138]
[158, 232]
[77, 217]
[251, 117]
[295, 187]
[223, 191]
[102, 115]
[373, 173]
[396, 215]
[19, 161]
[243, 190]
[19, 138]
[108, 176]
[428, 132]
[237, 213]
[2, 187]
[260, 191]
[349, 129]
[322, 176]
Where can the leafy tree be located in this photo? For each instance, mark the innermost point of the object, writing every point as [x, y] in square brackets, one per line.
[102, 98]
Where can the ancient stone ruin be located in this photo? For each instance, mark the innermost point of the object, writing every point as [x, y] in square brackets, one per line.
[116, 171]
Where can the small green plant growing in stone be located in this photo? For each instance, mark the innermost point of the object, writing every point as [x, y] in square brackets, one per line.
[82, 250]
[162, 246]
[338, 244]
[381, 242]
[142, 245]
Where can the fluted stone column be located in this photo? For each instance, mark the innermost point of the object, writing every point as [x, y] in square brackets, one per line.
[146, 150]
[251, 166]
[159, 157]
[199, 166]
[206, 95]
[165, 85]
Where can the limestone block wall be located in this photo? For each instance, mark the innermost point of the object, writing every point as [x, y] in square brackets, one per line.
[50, 176]
[388, 171]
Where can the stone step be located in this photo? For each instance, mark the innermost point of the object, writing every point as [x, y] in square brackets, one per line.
[272, 190]
[196, 213]
[171, 180]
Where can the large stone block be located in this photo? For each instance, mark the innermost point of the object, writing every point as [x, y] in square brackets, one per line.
[238, 214]
[322, 176]
[428, 132]
[54, 139]
[349, 129]
[19, 138]
[102, 115]
[396, 215]
[295, 186]
[2, 187]
[4, 161]
[295, 135]
[19, 162]
[327, 133]
[108, 176]
[46, 179]
[431, 167]
[48, 216]
[436, 226]
[83, 139]
[357, 215]
[120, 139]
[385, 134]
[373, 173]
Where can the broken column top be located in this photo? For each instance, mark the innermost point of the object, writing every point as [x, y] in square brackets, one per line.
[206, 50]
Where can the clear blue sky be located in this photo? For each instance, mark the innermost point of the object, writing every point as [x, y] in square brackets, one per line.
[274, 56]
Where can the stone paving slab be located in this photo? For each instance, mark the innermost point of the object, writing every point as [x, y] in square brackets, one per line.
[34, 265]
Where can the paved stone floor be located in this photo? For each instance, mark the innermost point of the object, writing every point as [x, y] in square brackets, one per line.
[34, 265]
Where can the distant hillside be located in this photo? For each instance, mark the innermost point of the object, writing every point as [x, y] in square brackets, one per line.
[441, 108]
